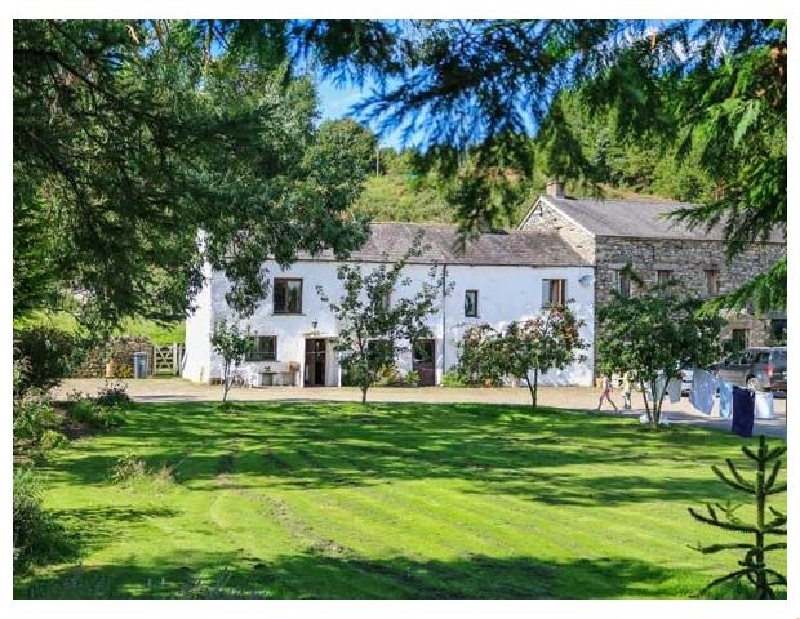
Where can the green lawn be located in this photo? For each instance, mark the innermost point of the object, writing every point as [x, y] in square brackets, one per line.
[327, 500]
[160, 335]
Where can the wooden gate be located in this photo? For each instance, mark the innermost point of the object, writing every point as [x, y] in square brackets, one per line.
[167, 359]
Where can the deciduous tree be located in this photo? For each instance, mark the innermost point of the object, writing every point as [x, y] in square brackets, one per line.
[375, 319]
[541, 343]
[653, 335]
[231, 343]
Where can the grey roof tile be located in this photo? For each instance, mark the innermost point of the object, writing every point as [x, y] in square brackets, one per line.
[509, 248]
[637, 218]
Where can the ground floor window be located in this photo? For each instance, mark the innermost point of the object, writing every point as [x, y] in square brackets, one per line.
[777, 332]
[622, 283]
[263, 348]
[554, 292]
[739, 340]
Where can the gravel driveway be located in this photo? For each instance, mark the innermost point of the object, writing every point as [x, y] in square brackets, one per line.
[176, 389]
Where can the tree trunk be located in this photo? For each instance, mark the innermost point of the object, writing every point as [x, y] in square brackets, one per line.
[226, 382]
[532, 390]
[658, 401]
[644, 397]
[364, 394]
[762, 587]
[656, 415]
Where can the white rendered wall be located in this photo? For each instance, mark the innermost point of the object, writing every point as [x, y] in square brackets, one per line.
[515, 293]
[197, 364]
[504, 294]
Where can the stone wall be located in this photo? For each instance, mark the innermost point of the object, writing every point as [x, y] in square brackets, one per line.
[122, 349]
[688, 260]
[545, 217]
[758, 328]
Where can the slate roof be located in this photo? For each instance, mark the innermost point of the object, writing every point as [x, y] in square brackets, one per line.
[507, 248]
[636, 218]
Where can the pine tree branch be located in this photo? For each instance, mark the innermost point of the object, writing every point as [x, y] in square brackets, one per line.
[771, 479]
[776, 513]
[743, 487]
[723, 525]
[717, 547]
[775, 453]
[777, 489]
[780, 579]
[738, 477]
[749, 453]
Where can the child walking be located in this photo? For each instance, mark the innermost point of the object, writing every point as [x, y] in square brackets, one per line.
[626, 391]
[606, 395]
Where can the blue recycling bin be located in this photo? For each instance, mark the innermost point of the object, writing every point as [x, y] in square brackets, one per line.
[140, 361]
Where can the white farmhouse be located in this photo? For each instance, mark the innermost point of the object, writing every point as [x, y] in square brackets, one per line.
[499, 277]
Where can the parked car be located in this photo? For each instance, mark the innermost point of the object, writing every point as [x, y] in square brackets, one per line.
[762, 369]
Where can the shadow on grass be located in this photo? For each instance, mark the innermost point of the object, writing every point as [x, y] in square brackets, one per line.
[312, 576]
[89, 528]
[609, 490]
[502, 448]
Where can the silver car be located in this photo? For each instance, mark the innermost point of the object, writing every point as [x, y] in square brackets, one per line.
[761, 368]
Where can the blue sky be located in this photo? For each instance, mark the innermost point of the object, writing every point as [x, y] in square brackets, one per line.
[336, 100]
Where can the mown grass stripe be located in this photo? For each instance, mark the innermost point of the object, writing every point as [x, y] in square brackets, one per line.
[430, 501]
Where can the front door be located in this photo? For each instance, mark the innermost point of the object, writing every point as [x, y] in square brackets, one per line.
[424, 362]
[315, 363]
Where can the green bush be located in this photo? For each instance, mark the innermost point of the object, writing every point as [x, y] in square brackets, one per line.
[113, 394]
[82, 411]
[52, 439]
[21, 368]
[37, 536]
[411, 379]
[51, 353]
[451, 378]
[479, 362]
[33, 415]
[110, 417]
[131, 471]
[127, 468]
[387, 376]
[105, 411]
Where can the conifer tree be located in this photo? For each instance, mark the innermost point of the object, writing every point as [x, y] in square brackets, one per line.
[753, 565]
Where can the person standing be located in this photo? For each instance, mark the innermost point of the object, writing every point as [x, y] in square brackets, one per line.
[627, 385]
[606, 395]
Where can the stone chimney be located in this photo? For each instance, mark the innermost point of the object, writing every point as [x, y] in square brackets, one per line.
[555, 189]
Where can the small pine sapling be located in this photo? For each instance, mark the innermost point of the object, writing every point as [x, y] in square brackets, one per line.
[753, 565]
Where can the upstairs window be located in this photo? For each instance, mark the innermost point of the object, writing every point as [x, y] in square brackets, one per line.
[554, 292]
[288, 296]
[264, 348]
[712, 282]
[471, 304]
